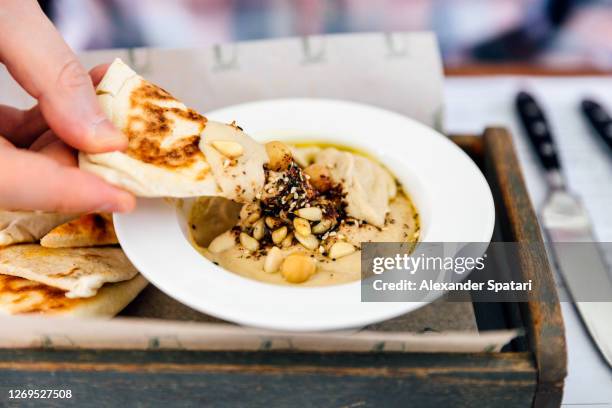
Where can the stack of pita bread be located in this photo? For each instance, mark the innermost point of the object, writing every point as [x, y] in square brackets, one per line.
[52, 267]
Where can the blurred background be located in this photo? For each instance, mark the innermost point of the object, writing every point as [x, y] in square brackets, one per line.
[561, 33]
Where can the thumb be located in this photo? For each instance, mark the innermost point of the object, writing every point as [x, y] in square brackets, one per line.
[72, 111]
[43, 64]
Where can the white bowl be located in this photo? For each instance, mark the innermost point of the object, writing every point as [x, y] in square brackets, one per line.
[449, 191]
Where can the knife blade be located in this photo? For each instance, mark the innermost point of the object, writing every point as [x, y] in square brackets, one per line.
[568, 228]
[599, 119]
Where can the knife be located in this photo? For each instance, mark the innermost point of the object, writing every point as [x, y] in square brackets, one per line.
[571, 239]
[599, 120]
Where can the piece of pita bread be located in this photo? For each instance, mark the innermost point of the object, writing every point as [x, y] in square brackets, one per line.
[28, 226]
[164, 156]
[78, 271]
[242, 178]
[23, 296]
[86, 231]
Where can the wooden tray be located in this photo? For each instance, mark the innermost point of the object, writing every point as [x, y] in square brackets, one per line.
[528, 372]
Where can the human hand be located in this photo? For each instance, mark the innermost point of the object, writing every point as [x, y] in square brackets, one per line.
[37, 163]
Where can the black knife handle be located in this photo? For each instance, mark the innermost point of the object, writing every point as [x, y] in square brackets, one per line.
[599, 120]
[536, 126]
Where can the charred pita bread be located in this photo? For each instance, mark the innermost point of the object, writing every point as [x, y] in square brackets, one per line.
[86, 231]
[164, 156]
[23, 296]
[78, 271]
[28, 226]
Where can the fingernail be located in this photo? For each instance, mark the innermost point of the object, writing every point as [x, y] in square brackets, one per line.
[108, 136]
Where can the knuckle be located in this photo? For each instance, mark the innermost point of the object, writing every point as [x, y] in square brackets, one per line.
[73, 75]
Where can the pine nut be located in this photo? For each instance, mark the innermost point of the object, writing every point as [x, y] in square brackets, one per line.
[329, 242]
[228, 148]
[322, 226]
[310, 213]
[273, 222]
[222, 243]
[288, 241]
[340, 249]
[259, 229]
[308, 241]
[301, 226]
[250, 243]
[273, 260]
[297, 268]
[279, 235]
[249, 213]
[279, 156]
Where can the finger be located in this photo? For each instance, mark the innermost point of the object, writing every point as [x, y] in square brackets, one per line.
[51, 73]
[97, 72]
[43, 140]
[21, 127]
[61, 153]
[50, 146]
[30, 181]
[4, 144]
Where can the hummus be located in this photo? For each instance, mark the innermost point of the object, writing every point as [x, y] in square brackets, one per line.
[358, 200]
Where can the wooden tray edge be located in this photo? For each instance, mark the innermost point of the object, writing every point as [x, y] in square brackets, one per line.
[546, 332]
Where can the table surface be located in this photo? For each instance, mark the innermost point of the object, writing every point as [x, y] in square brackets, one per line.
[482, 96]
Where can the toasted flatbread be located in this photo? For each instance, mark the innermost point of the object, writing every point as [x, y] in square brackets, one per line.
[28, 226]
[164, 156]
[78, 271]
[86, 231]
[23, 296]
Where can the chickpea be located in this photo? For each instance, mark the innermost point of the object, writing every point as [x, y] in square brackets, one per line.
[298, 268]
[279, 155]
[320, 177]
